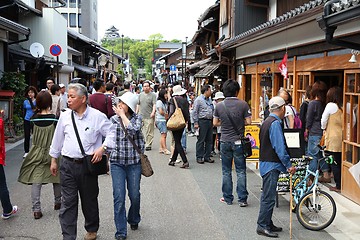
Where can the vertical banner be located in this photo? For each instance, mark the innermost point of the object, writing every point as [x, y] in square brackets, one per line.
[252, 132]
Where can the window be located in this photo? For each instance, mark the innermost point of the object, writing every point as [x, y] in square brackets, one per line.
[72, 20]
[79, 20]
[65, 15]
[79, 3]
[72, 3]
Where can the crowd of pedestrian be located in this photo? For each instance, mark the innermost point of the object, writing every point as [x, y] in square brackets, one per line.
[69, 124]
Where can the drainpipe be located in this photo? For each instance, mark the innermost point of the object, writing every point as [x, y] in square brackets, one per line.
[22, 40]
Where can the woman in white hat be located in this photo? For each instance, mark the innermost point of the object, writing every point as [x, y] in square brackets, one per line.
[125, 163]
[183, 104]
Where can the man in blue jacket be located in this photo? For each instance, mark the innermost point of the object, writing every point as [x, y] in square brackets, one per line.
[274, 158]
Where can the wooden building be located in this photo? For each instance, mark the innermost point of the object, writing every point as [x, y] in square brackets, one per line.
[300, 31]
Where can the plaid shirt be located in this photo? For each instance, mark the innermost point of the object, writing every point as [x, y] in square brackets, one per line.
[124, 152]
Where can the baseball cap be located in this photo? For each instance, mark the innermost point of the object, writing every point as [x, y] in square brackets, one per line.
[61, 85]
[276, 102]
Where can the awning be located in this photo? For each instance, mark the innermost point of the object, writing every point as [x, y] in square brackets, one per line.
[199, 64]
[208, 70]
[25, 53]
[84, 69]
[13, 27]
[73, 51]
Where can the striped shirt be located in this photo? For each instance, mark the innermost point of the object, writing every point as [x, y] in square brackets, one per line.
[203, 108]
[124, 152]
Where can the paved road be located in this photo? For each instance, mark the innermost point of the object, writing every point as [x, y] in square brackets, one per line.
[175, 204]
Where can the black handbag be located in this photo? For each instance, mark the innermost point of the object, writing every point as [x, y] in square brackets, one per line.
[245, 141]
[146, 168]
[95, 169]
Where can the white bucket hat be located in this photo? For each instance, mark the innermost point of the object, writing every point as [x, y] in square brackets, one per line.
[219, 95]
[129, 99]
[178, 90]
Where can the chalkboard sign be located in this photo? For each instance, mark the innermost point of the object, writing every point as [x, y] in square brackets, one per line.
[283, 181]
[295, 142]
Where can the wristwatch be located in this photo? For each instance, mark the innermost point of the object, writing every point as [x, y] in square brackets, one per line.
[104, 147]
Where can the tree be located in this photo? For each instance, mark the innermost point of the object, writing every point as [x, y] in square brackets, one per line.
[137, 49]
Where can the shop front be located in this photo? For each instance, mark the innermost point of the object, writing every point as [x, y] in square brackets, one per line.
[260, 51]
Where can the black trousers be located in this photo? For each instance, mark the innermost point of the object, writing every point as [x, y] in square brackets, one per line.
[204, 140]
[27, 129]
[178, 148]
[74, 183]
[336, 168]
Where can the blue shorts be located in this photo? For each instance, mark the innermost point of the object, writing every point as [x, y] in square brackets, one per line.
[161, 125]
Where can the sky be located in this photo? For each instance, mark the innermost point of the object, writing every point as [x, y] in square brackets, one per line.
[138, 19]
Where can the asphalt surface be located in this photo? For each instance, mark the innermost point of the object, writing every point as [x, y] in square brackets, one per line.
[175, 204]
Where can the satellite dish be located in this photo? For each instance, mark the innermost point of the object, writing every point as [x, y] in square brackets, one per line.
[37, 50]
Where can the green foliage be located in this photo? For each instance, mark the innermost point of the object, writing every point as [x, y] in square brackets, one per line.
[136, 49]
[16, 82]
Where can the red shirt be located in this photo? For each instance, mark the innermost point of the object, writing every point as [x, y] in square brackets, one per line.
[102, 103]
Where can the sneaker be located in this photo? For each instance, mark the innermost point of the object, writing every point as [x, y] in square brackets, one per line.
[25, 154]
[166, 152]
[8, 215]
[243, 204]
[223, 201]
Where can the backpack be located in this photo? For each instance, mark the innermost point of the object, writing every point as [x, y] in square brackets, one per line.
[297, 120]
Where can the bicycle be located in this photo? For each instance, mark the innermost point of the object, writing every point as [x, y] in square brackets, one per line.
[315, 209]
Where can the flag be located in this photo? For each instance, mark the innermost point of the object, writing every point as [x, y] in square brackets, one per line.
[283, 67]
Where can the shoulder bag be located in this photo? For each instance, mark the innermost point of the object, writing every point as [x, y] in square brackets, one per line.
[95, 169]
[177, 120]
[245, 142]
[146, 168]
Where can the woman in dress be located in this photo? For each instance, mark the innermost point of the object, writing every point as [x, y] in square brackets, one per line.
[332, 124]
[180, 97]
[29, 106]
[125, 163]
[35, 169]
[160, 120]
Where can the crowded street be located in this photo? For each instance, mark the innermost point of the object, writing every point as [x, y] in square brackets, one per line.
[175, 204]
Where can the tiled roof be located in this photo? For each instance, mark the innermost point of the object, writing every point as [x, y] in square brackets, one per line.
[343, 5]
[288, 15]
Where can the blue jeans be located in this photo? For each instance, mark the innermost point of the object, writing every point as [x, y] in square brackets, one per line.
[314, 152]
[183, 139]
[4, 192]
[230, 151]
[268, 198]
[122, 175]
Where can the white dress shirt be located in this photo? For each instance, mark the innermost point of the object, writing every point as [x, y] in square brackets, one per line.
[92, 127]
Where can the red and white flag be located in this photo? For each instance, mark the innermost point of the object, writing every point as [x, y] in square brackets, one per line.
[283, 67]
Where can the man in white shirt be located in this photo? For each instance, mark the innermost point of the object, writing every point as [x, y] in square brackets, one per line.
[92, 126]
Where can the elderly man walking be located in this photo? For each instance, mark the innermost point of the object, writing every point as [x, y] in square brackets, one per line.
[274, 158]
[146, 108]
[92, 126]
[203, 116]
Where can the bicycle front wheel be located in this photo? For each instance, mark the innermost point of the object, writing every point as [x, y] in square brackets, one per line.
[316, 214]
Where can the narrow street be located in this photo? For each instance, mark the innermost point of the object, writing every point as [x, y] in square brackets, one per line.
[175, 204]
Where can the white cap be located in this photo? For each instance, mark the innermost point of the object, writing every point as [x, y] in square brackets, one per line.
[129, 99]
[61, 85]
[219, 95]
[178, 90]
[276, 102]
